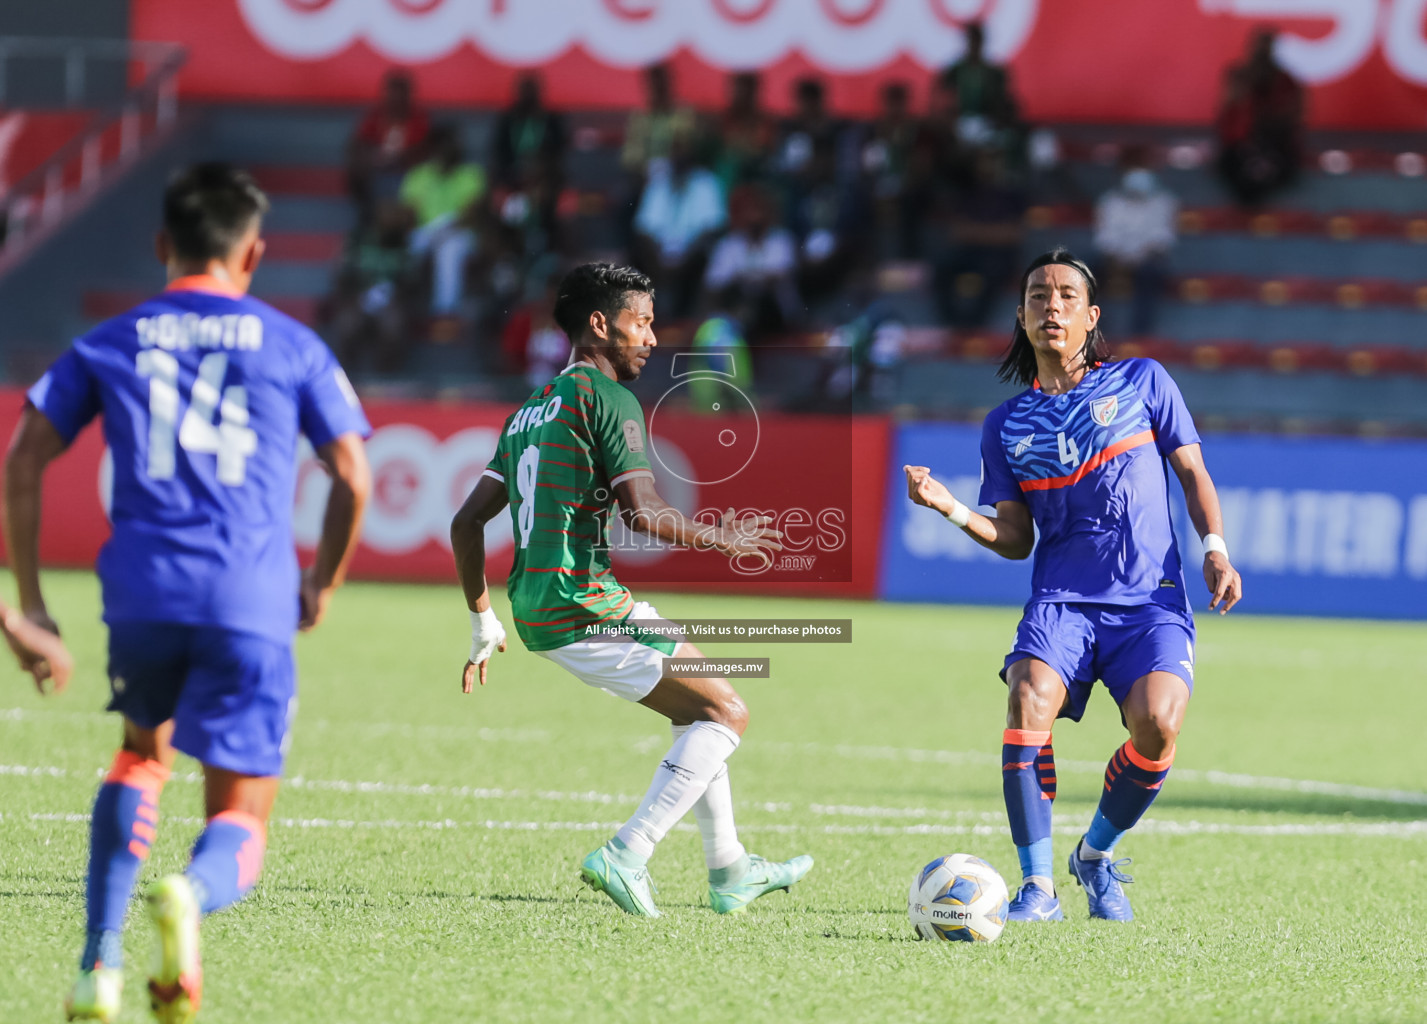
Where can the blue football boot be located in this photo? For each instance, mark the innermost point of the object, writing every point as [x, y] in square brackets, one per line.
[1032, 903]
[1102, 880]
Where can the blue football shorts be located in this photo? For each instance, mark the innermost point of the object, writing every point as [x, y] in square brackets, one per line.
[1117, 645]
[231, 695]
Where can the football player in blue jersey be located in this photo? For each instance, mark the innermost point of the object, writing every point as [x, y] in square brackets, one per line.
[203, 392]
[1079, 456]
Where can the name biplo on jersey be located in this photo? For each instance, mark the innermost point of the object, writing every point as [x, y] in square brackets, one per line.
[560, 456]
[1090, 464]
[203, 393]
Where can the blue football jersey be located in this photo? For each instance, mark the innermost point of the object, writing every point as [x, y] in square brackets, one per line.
[1090, 466]
[203, 394]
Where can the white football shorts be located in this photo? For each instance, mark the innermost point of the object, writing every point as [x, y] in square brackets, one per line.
[626, 666]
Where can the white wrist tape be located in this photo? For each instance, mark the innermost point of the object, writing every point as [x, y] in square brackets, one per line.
[959, 514]
[486, 635]
[1213, 542]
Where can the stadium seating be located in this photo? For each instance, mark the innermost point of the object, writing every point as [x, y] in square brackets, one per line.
[1313, 303]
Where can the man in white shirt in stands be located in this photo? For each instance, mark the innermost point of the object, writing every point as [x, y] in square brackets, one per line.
[680, 213]
[1134, 231]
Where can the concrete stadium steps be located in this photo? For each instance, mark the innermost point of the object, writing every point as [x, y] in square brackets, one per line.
[308, 180]
[1339, 225]
[323, 247]
[101, 304]
[1342, 314]
[1328, 325]
[1284, 291]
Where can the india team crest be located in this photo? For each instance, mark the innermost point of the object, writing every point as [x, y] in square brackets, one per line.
[1103, 410]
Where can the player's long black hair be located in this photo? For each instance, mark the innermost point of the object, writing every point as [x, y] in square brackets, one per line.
[1019, 366]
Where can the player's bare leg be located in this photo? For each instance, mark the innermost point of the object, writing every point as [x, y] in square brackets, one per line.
[1035, 695]
[123, 826]
[1154, 712]
[227, 859]
[707, 718]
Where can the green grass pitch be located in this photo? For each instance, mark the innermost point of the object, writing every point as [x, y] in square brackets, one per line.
[422, 864]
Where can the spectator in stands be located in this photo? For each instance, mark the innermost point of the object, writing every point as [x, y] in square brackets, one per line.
[649, 133]
[950, 165]
[894, 159]
[1134, 232]
[986, 230]
[680, 214]
[983, 94]
[529, 138]
[1260, 125]
[532, 343]
[528, 237]
[829, 216]
[388, 140]
[809, 130]
[368, 317]
[751, 269]
[648, 137]
[443, 196]
[747, 134]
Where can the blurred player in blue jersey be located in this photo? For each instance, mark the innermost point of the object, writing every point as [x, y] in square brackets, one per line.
[1080, 457]
[203, 392]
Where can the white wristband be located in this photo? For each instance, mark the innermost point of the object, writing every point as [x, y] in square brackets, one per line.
[959, 514]
[1213, 542]
[486, 635]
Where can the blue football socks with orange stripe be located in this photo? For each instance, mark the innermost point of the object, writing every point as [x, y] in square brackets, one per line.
[123, 827]
[227, 859]
[1132, 781]
[1028, 782]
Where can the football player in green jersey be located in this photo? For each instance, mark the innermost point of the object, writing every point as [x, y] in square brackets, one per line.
[574, 449]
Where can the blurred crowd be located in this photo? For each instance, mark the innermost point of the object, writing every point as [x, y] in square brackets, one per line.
[754, 227]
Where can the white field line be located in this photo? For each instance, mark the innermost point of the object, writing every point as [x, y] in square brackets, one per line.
[376, 730]
[1212, 778]
[1149, 826]
[968, 822]
[842, 751]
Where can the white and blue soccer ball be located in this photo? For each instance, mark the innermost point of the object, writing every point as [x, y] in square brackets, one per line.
[960, 898]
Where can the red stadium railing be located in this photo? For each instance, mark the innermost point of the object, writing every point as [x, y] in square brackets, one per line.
[46, 197]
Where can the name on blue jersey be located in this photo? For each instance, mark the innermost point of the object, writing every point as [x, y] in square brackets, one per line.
[182, 331]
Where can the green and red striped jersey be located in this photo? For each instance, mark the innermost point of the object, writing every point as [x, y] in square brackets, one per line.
[560, 456]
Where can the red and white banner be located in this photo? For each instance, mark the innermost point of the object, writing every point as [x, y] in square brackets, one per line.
[1090, 60]
[426, 458]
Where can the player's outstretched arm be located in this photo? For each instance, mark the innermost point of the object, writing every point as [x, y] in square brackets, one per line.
[345, 458]
[1202, 499]
[468, 545]
[40, 652]
[35, 445]
[645, 511]
[1011, 534]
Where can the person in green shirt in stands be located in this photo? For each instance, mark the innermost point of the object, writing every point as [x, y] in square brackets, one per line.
[443, 196]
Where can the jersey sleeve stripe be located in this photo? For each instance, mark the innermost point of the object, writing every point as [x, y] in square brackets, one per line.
[630, 475]
[1091, 464]
[493, 475]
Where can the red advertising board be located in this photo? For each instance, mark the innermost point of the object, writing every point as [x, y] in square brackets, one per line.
[1092, 60]
[820, 478]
